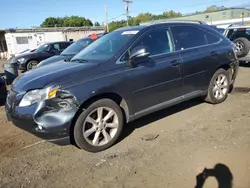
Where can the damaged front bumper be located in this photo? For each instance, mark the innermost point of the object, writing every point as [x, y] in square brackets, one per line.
[49, 119]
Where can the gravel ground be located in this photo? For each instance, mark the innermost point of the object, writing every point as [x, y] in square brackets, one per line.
[165, 149]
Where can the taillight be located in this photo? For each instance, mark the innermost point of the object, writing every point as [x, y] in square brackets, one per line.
[241, 29]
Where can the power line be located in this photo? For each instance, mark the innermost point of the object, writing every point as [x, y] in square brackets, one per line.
[114, 18]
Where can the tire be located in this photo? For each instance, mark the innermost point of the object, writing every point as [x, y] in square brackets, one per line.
[98, 128]
[218, 90]
[31, 65]
[243, 46]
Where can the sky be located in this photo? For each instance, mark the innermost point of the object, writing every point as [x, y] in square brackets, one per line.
[29, 13]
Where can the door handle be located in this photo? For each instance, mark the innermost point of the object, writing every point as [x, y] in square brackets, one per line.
[175, 63]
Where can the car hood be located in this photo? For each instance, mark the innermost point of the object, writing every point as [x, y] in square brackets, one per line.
[25, 55]
[55, 59]
[53, 74]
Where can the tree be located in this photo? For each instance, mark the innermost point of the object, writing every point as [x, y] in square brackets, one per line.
[97, 24]
[214, 8]
[50, 22]
[73, 21]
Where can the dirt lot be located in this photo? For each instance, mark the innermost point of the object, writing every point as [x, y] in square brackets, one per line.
[184, 140]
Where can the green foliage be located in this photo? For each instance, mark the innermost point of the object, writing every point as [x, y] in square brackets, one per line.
[76, 21]
[117, 24]
[143, 17]
[97, 24]
[214, 8]
[73, 21]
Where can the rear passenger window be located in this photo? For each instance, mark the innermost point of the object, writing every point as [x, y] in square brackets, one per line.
[188, 37]
[157, 41]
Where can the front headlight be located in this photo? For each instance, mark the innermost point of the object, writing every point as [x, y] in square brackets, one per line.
[21, 60]
[37, 95]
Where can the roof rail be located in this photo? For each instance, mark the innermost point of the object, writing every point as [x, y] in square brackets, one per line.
[172, 20]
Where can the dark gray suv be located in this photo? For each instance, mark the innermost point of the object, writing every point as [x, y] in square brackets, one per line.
[120, 77]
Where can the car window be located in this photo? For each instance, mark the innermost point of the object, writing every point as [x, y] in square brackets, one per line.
[77, 46]
[233, 34]
[188, 37]
[63, 46]
[107, 46]
[211, 39]
[157, 41]
[43, 47]
[54, 48]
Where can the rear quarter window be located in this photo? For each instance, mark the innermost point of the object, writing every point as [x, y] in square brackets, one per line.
[211, 38]
[189, 37]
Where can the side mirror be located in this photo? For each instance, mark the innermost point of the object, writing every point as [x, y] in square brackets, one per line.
[139, 55]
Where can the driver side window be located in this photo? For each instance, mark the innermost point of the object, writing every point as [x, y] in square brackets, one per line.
[157, 41]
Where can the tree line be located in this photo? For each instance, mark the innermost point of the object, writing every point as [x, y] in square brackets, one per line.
[73, 21]
[77, 21]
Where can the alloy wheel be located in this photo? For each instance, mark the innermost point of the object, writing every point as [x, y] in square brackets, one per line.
[220, 88]
[100, 126]
[240, 46]
[32, 65]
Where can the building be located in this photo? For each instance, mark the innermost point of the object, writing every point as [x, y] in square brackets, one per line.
[19, 40]
[3, 46]
[224, 17]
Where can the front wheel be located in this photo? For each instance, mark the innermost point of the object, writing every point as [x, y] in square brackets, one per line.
[219, 87]
[99, 126]
[31, 65]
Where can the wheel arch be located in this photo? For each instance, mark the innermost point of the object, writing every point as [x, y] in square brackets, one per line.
[224, 66]
[118, 99]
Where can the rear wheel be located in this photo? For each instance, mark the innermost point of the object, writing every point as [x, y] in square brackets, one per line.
[99, 126]
[219, 87]
[31, 65]
[243, 46]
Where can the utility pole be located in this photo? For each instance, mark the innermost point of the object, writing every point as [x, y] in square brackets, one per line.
[242, 15]
[106, 16]
[127, 8]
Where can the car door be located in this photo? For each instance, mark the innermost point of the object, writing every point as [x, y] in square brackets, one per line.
[158, 79]
[198, 56]
[49, 51]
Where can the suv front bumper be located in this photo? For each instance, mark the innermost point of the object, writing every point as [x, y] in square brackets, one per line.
[49, 120]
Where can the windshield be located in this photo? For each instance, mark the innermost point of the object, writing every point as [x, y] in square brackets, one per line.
[77, 46]
[105, 47]
[41, 48]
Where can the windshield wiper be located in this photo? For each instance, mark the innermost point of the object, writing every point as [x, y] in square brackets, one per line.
[79, 60]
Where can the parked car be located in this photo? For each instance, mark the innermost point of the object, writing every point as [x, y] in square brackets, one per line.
[69, 52]
[124, 75]
[240, 35]
[221, 30]
[3, 91]
[28, 61]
